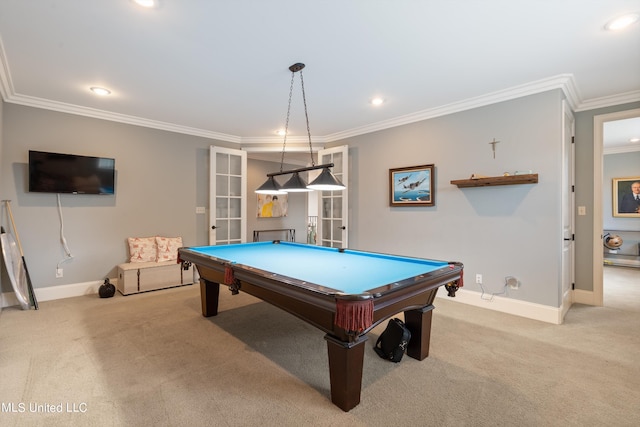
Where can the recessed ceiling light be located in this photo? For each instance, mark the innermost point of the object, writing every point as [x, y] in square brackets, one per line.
[145, 3]
[622, 22]
[100, 91]
[280, 132]
[377, 101]
[634, 140]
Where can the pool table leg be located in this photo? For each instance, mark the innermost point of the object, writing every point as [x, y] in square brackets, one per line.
[209, 295]
[419, 323]
[345, 371]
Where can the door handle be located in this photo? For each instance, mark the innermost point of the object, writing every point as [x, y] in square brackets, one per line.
[342, 228]
[213, 227]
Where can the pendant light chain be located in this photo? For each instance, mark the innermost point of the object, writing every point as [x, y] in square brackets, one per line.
[306, 115]
[324, 182]
[286, 126]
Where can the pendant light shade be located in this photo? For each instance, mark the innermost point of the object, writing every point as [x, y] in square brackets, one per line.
[270, 186]
[296, 185]
[326, 181]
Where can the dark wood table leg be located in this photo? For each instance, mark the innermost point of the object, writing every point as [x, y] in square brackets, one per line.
[209, 295]
[345, 371]
[419, 323]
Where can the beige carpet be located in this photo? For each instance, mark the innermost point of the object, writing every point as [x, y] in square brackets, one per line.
[153, 360]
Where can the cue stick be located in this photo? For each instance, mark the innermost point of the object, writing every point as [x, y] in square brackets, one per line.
[32, 295]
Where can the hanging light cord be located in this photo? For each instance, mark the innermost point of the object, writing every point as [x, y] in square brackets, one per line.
[295, 68]
[306, 115]
[286, 125]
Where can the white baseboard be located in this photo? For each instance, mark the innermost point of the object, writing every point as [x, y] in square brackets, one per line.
[584, 297]
[57, 292]
[505, 305]
[526, 309]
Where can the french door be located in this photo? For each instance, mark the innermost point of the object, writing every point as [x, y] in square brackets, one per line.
[333, 216]
[227, 196]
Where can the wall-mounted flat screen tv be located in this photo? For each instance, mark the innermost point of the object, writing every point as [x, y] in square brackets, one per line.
[69, 173]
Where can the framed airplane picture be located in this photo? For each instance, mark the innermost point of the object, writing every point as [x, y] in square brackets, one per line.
[412, 186]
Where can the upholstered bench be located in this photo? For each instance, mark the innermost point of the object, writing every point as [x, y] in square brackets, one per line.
[153, 265]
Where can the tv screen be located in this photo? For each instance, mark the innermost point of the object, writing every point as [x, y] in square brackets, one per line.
[68, 173]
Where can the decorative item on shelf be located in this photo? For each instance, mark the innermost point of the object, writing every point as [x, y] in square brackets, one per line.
[107, 289]
[326, 181]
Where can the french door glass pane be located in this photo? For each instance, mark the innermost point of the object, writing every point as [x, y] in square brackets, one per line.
[222, 185]
[222, 207]
[234, 229]
[235, 166]
[337, 207]
[235, 187]
[235, 208]
[337, 163]
[222, 163]
[222, 230]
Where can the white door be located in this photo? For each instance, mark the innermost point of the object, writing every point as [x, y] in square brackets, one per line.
[333, 217]
[568, 197]
[227, 196]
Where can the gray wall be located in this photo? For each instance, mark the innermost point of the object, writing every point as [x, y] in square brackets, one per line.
[584, 191]
[160, 179]
[495, 231]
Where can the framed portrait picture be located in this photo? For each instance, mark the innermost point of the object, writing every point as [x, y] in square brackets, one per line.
[626, 197]
[412, 186]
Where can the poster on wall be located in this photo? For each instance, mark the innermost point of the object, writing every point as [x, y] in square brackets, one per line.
[626, 197]
[272, 206]
[411, 186]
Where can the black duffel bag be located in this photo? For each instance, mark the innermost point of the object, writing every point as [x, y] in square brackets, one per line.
[393, 342]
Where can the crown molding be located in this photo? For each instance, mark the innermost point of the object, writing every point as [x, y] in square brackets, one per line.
[6, 85]
[299, 144]
[621, 149]
[608, 101]
[563, 81]
[62, 107]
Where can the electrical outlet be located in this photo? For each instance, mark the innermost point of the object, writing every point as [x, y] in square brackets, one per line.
[479, 279]
[58, 273]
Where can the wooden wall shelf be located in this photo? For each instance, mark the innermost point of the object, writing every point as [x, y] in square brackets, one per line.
[497, 180]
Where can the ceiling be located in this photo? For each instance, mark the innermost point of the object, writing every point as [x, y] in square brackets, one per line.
[219, 69]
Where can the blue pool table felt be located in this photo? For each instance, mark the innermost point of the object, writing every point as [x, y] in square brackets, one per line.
[351, 272]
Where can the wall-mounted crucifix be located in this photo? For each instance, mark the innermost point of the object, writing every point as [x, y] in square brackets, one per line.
[493, 147]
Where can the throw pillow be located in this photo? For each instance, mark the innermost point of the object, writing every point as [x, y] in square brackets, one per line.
[168, 248]
[143, 249]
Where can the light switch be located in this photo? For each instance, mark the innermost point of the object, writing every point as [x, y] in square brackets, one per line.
[201, 210]
[582, 210]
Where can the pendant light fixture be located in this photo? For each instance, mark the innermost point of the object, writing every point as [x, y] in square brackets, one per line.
[326, 181]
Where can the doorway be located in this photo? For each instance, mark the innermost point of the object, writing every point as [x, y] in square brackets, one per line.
[600, 140]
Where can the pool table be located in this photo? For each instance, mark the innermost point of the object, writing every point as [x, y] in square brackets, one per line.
[343, 292]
